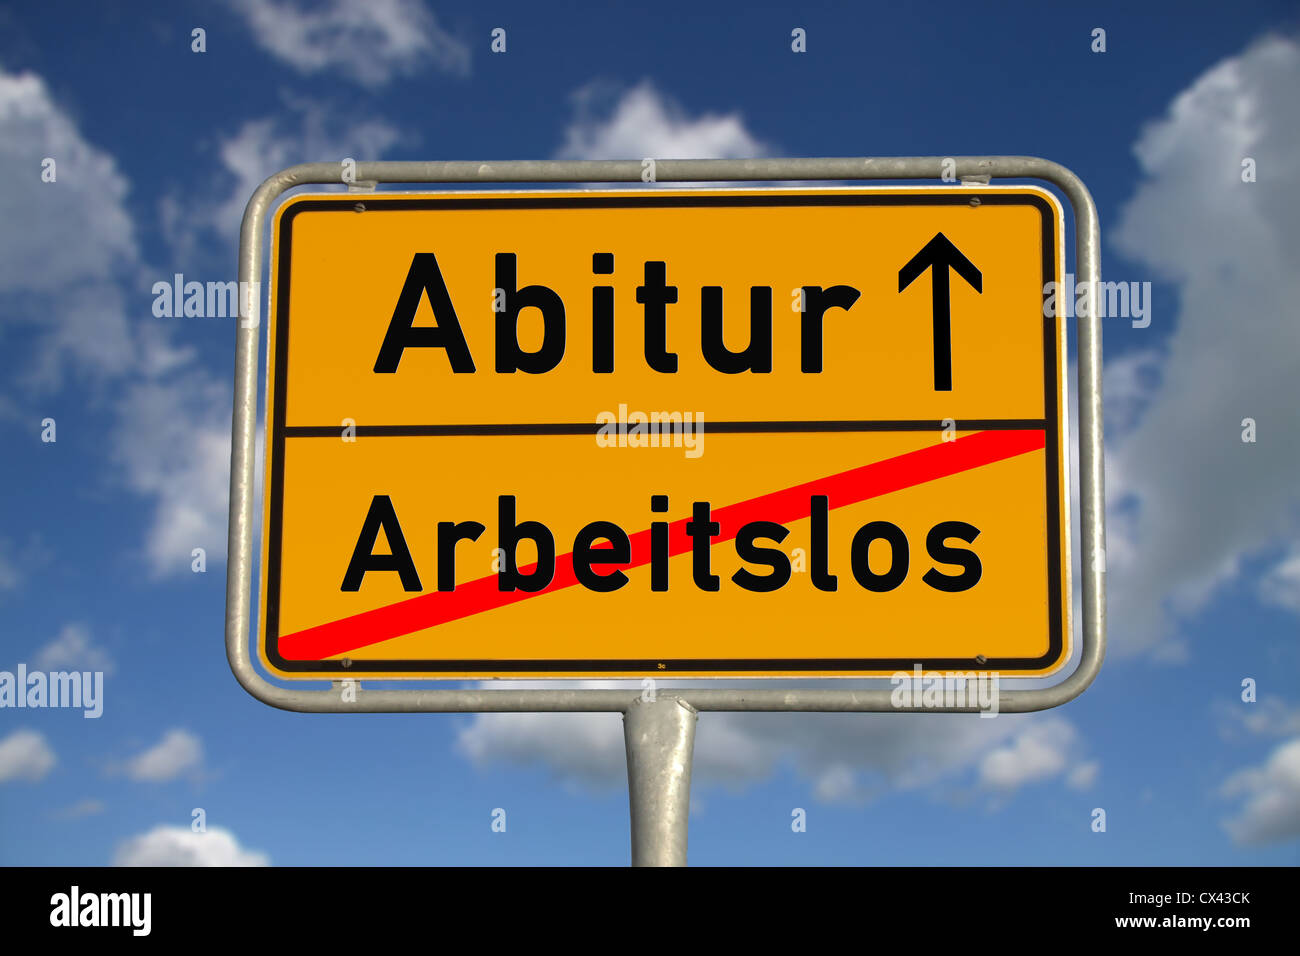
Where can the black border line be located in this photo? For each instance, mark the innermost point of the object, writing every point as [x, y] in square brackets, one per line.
[722, 428]
[380, 203]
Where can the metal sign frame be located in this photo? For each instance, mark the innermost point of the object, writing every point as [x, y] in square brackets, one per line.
[659, 728]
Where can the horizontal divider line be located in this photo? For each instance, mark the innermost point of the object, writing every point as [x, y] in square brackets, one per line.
[592, 428]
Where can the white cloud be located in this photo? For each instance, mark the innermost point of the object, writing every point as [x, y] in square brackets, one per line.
[1193, 500]
[173, 444]
[1269, 716]
[1128, 383]
[180, 846]
[80, 809]
[51, 276]
[836, 784]
[25, 755]
[369, 41]
[1083, 776]
[72, 649]
[177, 753]
[1040, 752]
[172, 435]
[1271, 813]
[845, 757]
[1281, 585]
[88, 190]
[644, 123]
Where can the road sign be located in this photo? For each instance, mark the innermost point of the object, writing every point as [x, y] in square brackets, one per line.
[692, 432]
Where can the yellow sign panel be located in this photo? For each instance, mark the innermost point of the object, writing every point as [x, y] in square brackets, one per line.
[740, 432]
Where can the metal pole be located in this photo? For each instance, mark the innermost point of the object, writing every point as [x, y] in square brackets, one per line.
[660, 735]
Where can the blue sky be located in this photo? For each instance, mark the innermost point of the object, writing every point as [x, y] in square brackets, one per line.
[157, 149]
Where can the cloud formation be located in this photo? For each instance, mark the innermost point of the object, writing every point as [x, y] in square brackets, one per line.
[370, 42]
[1190, 501]
[178, 752]
[642, 123]
[1271, 811]
[179, 846]
[25, 755]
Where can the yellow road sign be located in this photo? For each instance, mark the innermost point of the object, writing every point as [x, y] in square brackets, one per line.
[699, 432]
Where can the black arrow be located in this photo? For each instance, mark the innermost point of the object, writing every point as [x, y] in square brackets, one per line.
[940, 253]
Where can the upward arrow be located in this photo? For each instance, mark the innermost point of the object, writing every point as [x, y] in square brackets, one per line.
[942, 255]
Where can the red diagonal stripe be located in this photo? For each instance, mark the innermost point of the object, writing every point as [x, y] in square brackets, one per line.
[939, 460]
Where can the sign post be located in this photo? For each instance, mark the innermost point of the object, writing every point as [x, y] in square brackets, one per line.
[666, 433]
[660, 736]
